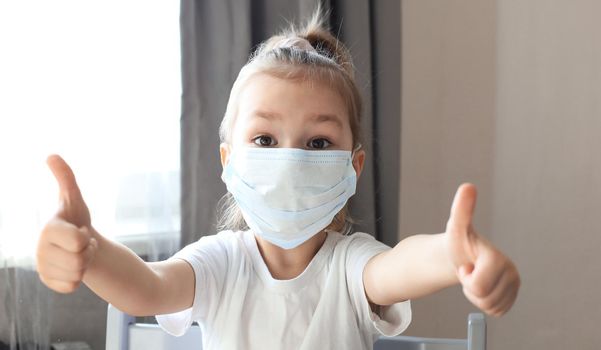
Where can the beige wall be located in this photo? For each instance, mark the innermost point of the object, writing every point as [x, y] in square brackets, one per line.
[448, 63]
[507, 95]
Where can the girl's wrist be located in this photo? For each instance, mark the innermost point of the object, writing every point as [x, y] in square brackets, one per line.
[448, 263]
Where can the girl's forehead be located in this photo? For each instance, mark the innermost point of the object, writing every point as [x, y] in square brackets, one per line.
[269, 94]
[291, 107]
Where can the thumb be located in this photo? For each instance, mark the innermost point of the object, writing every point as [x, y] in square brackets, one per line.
[64, 176]
[459, 231]
[462, 209]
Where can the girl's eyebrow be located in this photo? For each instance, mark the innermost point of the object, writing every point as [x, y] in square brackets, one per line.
[317, 118]
[266, 115]
[332, 118]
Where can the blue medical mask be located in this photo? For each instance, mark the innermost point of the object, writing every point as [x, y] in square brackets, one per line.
[287, 195]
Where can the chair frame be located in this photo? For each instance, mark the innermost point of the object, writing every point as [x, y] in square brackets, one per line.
[122, 332]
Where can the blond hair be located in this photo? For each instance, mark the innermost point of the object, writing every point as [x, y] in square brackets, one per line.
[310, 53]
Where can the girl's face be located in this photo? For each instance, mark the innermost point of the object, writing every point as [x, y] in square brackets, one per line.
[274, 112]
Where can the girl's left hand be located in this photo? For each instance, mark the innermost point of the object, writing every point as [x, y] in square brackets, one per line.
[489, 279]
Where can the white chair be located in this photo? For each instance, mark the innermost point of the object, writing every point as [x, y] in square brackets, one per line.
[123, 333]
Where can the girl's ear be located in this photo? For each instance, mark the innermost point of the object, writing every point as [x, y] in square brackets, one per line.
[224, 153]
[358, 162]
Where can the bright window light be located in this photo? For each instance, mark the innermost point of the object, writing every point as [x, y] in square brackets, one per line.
[97, 82]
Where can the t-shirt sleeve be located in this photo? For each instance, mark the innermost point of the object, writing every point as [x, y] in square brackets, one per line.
[208, 258]
[389, 320]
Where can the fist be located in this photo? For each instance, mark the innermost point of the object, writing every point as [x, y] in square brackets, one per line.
[489, 279]
[66, 246]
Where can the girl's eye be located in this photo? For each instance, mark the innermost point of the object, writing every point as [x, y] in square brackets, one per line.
[319, 143]
[264, 141]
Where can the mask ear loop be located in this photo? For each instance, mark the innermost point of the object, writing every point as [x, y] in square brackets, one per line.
[358, 147]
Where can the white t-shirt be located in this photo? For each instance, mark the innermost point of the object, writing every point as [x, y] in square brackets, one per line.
[239, 305]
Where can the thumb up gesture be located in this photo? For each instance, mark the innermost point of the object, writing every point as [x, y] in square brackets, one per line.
[66, 245]
[489, 279]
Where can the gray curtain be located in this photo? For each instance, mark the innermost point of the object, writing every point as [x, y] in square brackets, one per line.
[217, 37]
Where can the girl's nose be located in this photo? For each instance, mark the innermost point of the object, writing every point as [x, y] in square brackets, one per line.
[290, 142]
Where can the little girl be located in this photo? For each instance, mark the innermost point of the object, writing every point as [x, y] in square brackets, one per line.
[284, 273]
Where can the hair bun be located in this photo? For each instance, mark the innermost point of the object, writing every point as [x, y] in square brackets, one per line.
[313, 36]
[318, 35]
[294, 42]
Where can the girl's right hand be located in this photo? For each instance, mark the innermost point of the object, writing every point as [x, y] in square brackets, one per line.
[66, 246]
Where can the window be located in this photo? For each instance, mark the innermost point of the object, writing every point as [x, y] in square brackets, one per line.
[98, 83]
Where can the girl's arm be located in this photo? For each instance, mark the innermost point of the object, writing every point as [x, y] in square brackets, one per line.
[70, 251]
[123, 279]
[417, 266]
[423, 264]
